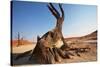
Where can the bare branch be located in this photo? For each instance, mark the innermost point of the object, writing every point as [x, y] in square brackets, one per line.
[62, 11]
[53, 10]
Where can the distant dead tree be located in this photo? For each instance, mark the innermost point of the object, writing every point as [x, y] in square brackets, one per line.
[22, 41]
[19, 40]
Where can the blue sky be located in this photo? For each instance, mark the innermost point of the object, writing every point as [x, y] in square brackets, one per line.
[34, 18]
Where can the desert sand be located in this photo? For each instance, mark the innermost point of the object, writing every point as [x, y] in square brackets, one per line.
[88, 41]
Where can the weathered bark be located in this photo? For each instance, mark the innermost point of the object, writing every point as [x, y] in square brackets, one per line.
[62, 54]
[42, 53]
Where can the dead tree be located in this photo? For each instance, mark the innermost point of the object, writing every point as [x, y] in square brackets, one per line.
[22, 40]
[18, 40]
[51, 45]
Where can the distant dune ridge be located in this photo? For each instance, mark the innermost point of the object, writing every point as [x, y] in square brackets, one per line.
[91, 36]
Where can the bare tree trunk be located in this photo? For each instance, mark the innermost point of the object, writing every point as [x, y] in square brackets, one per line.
[18, 40]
